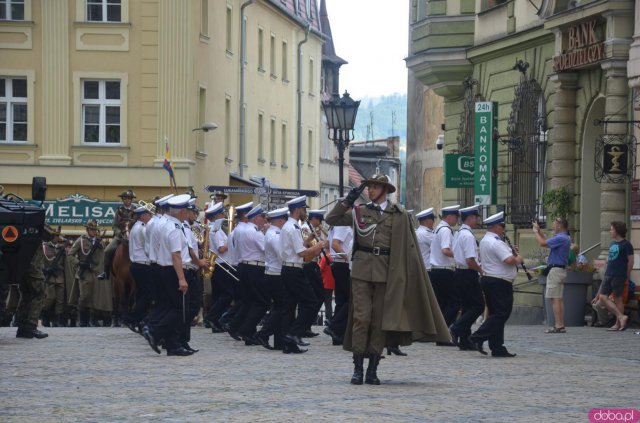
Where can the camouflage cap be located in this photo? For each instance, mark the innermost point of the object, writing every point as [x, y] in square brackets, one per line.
[91, 224]
[127, 194]
[382, 180]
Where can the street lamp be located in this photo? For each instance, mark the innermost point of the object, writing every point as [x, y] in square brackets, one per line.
[341, 116]
[209, 126]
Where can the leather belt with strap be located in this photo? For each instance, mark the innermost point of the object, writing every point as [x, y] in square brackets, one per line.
[292, 264]
[376, 251]
[498, 277]
[339, 260]
[443, 268]
[190, 268]
[458, 267]
[146, 263]
[271, 273]
[253, 262]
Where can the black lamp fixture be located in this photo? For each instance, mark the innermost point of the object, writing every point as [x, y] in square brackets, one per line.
[341, 115]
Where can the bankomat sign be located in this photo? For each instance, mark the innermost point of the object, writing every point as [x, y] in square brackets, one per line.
[486, 152]
[458, 171]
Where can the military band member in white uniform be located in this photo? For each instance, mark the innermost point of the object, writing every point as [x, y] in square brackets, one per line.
[424, 233]
[298, 290]
[499, 267]
[341, 242]
[173, 255]
[273, 281]
[443, 264]
[140, 270]
[466, 279]
[312, 272]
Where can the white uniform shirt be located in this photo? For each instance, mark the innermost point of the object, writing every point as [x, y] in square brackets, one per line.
[137, 253]
[217, 240]
[464, 246]
[232, 256]
[291, 242]
[273, 261]
[344, 234]
[193, 244]
[442, 238]
[171, 239]
[493, 253]
[425, 237]
[250, 243]
[151, 240]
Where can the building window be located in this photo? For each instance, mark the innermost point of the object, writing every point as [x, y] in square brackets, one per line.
[272, 142]
[272, 58]
[229, 37]
[204, 18]
[312, 147]
[104, 11]
[202, 113]
[11, 10]
[227, 128]
[309, 11]
[312, 75]
[284, 146]
[260, 50]
[13, 110]
[261, 158]
[101, 112]
[285, 62]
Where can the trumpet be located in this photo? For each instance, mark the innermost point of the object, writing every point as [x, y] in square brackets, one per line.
[149, 206]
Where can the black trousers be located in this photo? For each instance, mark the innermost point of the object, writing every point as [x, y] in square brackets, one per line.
[145, 291]
[273, 324]
[342, 277]
[498, 294]
[258, 302]
[471, 301]
[160, 306]
[224, 285]
[314, 276]
[170, 319]
[241, 299]
[298, 292]
[192, 302]
[446, 294]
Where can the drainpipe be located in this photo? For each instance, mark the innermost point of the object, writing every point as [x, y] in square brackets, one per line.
[299, 135]
[243, 59]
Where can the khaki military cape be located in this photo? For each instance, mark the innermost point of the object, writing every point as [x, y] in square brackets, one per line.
[411, 312]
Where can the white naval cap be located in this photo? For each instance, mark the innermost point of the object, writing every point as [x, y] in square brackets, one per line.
[192, 204]
[244, 207]
[317, 213]
[426, 214]
[282, 213]
[179, 201]
[494, 219]
[162, 202]
[297, 202]
[468, 211]
[214, 208]
[450, 210]
[257, 210]
[141, 210]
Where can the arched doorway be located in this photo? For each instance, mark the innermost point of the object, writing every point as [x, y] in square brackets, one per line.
[589, 188]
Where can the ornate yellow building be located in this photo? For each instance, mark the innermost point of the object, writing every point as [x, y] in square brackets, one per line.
[91, 89]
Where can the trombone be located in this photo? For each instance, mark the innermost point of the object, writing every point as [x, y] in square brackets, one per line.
[149, 206]
[226, 263]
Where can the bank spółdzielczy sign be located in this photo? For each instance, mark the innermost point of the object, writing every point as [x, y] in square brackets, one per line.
[486, 153]
[458, 171]
[78, 209]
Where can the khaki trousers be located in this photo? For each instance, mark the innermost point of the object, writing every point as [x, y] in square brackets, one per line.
[368, 301]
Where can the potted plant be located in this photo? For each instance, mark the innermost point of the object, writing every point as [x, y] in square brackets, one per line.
[557, 203]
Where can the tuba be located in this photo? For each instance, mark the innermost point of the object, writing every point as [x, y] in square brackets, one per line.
[201, 233]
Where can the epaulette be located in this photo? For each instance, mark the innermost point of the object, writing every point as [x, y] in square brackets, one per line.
[177, 225]
[257, 229]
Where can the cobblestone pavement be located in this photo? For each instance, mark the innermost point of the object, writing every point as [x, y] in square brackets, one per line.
[111, 375]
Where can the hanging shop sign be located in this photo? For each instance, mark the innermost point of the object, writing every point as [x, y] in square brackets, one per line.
[78, 209]
[585, 42]
[458, 171]
[486, 153]
[261, 191]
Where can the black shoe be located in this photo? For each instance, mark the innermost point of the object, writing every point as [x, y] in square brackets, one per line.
[262, 340]
[206, 323]
[358, 369]
[181, 352]
[455, 339]
[477, 345]
[132, 327]
[187, 347]
[232, 333]
[466, 346]
[445, 344]
[337, 340]
[309, 334]
[30, 333]
[292, 349]
[151, 340]
[216, 328]
[102, 276]
[502, 353]
[395, 350]
[296, 340]
[249, 341]
[372, 378]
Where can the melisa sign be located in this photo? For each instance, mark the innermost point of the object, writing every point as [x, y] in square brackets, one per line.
[586, 47]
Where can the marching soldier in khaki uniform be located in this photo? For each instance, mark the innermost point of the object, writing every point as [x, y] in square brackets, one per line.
[88, 252]
[124, 215]
[392, 301]
[55, 279]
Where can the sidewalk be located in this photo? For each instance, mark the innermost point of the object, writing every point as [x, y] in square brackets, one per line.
[111, 374]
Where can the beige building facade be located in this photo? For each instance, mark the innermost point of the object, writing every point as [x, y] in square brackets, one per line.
[93, 92]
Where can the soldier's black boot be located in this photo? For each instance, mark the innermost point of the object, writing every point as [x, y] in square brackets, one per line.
[46, 322]
[61, 321]
[358, 369]
[83, 318]
[93, 321]
[372, 377]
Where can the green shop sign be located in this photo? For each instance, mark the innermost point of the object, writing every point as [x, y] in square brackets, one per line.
[486, 152]
[78, 209]
[458, 171]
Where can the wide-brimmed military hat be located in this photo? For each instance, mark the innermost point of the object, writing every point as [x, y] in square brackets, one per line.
[218, 194]
[91, 224]
[381, 180]
[52, 231]
[128, 193]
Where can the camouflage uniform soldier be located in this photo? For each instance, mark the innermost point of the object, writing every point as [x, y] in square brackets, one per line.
[32, 296]
[124, 215]
[55, 279]
[88, 251]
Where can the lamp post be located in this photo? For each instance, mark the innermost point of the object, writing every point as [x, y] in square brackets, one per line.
[341, 116]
